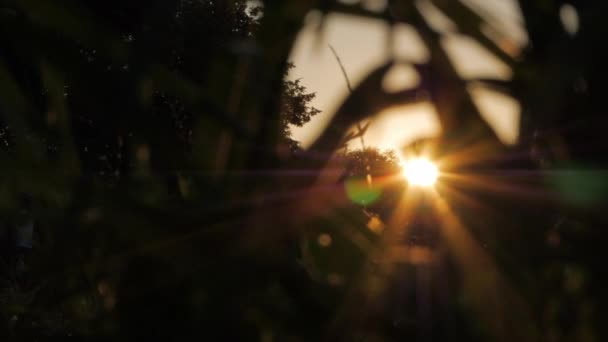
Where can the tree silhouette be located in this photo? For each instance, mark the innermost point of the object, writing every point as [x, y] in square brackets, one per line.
[371, 161]
[295, 107]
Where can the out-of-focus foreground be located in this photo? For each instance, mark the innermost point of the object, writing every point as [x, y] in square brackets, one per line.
[151, 185]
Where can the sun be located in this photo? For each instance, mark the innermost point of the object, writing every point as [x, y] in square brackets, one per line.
[420, 172]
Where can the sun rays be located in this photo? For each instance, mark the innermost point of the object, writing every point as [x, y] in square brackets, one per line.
[435, 191]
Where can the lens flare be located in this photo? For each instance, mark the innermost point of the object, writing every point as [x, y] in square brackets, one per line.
[421, 172]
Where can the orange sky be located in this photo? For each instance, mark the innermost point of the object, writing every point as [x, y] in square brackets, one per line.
[361, 45]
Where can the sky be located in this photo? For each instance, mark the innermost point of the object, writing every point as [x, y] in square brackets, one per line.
[361, 44]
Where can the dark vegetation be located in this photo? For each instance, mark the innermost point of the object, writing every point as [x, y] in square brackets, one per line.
[149, 142]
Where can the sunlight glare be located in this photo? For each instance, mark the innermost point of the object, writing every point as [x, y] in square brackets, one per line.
[420, 171]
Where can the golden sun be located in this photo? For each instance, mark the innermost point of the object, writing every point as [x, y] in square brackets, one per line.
[420, 172]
